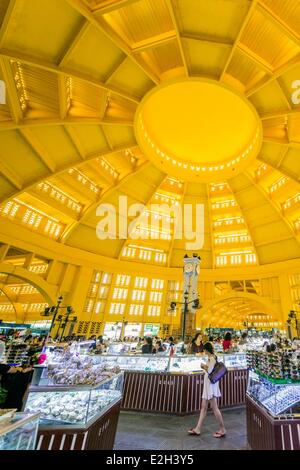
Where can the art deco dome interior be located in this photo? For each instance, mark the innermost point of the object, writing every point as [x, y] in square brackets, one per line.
[162, 101]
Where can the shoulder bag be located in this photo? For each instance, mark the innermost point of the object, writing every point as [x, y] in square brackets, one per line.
[218, 372]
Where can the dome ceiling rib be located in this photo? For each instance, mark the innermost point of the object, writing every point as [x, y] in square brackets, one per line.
[51, 67]
[156, 41]
[238, 37]
[99, 24]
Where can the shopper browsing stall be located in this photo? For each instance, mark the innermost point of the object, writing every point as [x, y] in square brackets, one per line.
[197, 344]
[210, 394]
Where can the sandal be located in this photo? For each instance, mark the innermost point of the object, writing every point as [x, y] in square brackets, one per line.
[218, 435]
[192, 432]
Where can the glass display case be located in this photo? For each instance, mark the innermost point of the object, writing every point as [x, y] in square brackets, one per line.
[234, 361]
[278, 397]
[142, 363]
[192, 363]
[73, 405]
[121, 348]
[186, 363]
[20, 433]
[173, 364]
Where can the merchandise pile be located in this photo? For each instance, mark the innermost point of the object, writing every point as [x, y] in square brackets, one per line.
[279, 364]
[70, 407]
[80, 371]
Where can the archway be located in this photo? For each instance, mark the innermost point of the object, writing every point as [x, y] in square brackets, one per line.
[12, 308]
[236, 308]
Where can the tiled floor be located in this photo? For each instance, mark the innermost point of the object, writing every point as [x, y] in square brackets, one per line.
[144, 431]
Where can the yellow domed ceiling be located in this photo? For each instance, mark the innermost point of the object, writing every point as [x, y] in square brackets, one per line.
[100, 93]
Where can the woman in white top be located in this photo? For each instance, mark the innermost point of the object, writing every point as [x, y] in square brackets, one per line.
[210, 394]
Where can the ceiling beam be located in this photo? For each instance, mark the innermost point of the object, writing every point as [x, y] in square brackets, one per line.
[173, 14]
[38, 149]
[62, 96]
[107, 138]
[100, 24]
[15, 179]
[245, 222]
[15, 105]
[279, 23]
[3, 252]
[106, 193]
[75, 141]
[51, 67]
[277, 166]
[259, 61]
[116, 5]
[288, 143]
[284, 94]
[277, 73]
[279, 114]
[74, 43]
[154, 41]
[28, 123]
[207, 40]
[273, 204]
[237, 39]
[11, 175]
[116, 68]
[53, 204]
[6, 21]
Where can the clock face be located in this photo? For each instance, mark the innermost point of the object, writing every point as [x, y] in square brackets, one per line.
[188, 268]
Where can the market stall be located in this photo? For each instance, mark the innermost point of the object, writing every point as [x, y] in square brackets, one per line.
[19, 432]
[79, 404]
[273, 400]
[174, 384]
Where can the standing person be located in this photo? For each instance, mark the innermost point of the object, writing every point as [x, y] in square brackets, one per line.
[147, 345]
[244, 339]
[14, 383]
[227, 343]
[210, 394]
[158, 348]
[197, 344]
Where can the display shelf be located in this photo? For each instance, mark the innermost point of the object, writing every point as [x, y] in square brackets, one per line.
[171, 364]
[276, 398]
[74, 405]
[98, 434]
[20, 433]
[15, 354]
[265, 432]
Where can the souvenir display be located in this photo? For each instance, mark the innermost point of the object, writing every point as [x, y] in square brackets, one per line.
[275, 397]
[20, 432]
[176, 363]
[277, 364]
[80, 371]
[74, 404]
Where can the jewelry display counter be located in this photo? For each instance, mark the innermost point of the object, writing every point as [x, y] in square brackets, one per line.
[77, 417]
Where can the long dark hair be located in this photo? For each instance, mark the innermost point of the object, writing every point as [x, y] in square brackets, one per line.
[227, 337]
[209, 348]
[196, 337]
[149, 342]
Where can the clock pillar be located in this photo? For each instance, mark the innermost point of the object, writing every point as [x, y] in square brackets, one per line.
[191, 272]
